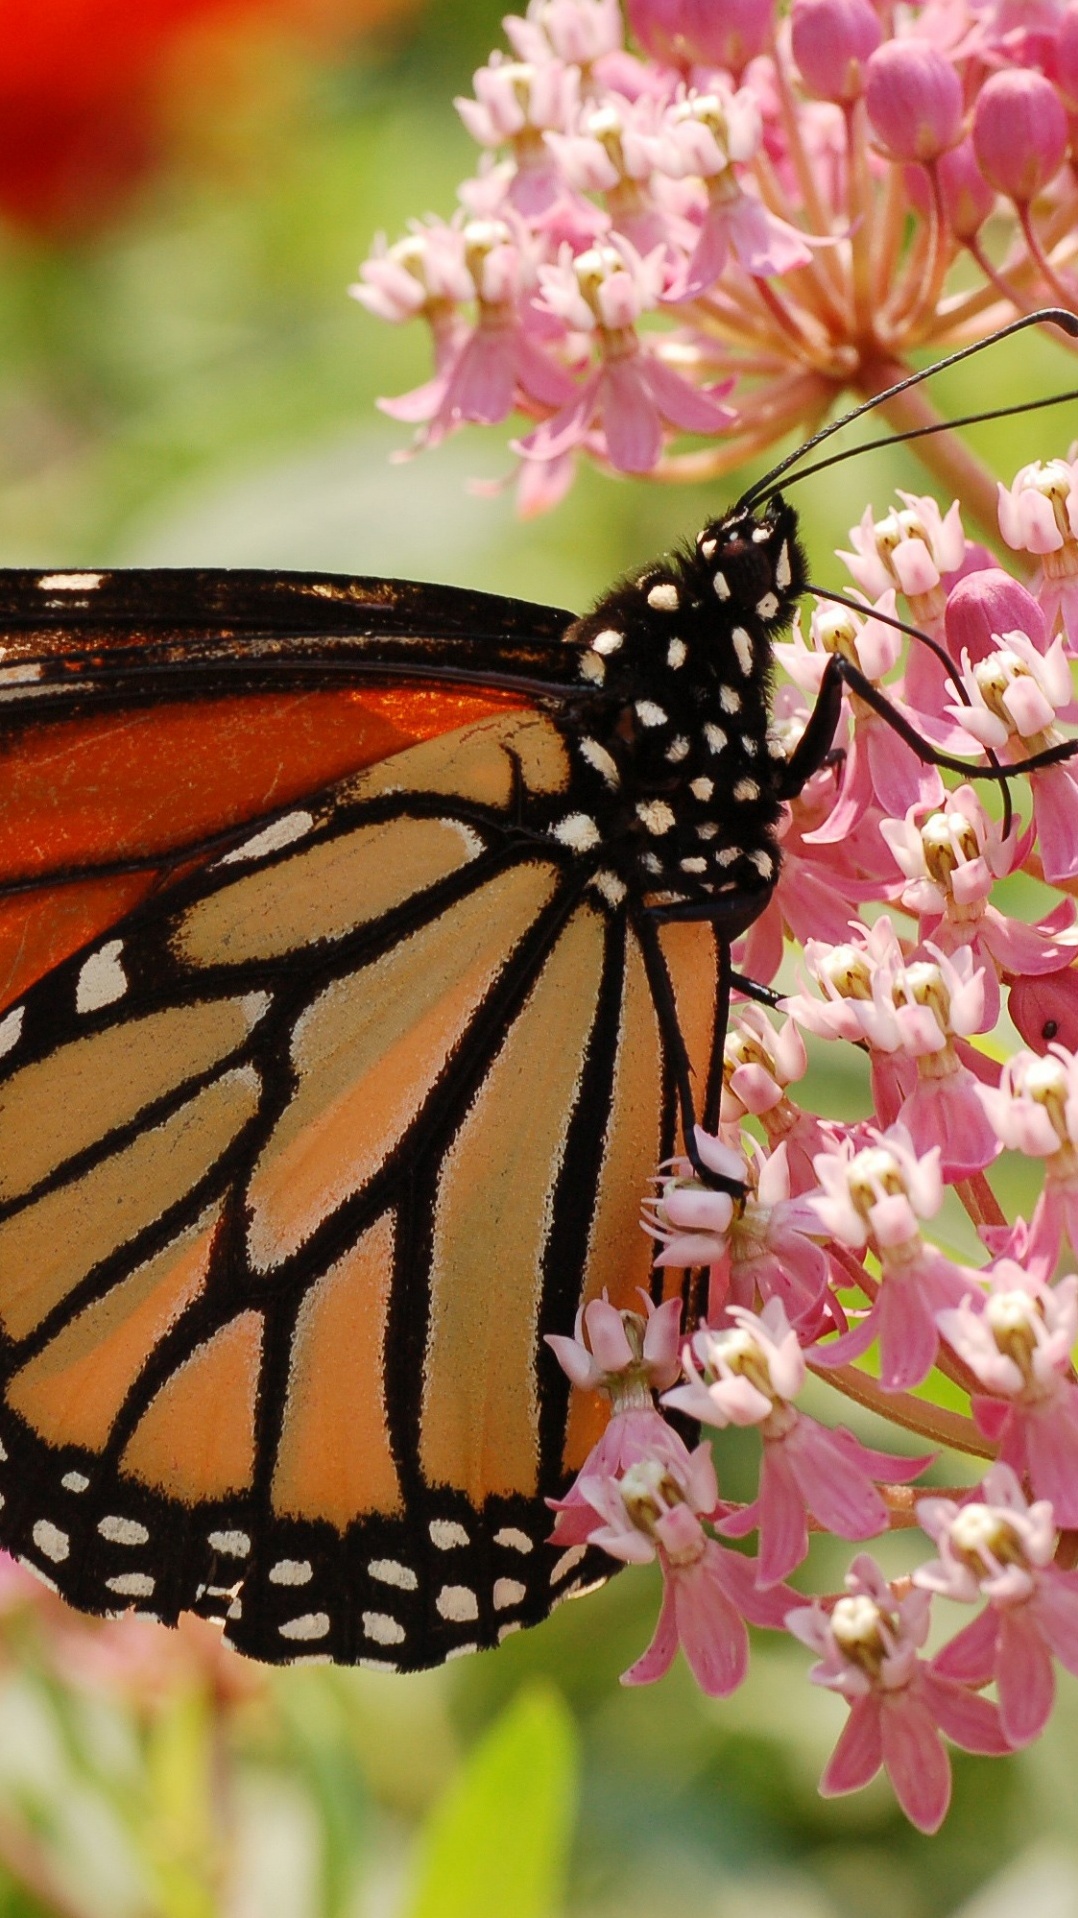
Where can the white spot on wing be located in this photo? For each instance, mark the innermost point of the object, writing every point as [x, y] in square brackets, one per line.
[11, 1030]
[445, 1533]
[716, 739]
[746, 789]
[693, 864]
[578, 832]
[102, 978]
[608, 641]
[768, 606]
[74, 1481]
[307, 1626]
[677, 750]
[508, 1591]
[458, 1603]
[69, 582]
[613, 890]
[650, 714]
[283, 832]
[707, 547]
[600, 760]
[51, 1540]
[763, 862]
[391, 1572]
[729, 700]
[383, 1629]
[460, 1651]
[656, 815]
[676, 654]
[514, 1540]
[131, 1584]
[291, 1571]
[565, 1563]
[123, 1531]
[591, 667]
[702, 789]
[236, 1544]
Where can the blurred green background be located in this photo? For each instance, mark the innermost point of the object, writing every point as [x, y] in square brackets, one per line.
[184, 381]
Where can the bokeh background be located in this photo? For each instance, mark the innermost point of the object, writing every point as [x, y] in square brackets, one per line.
[186, 187]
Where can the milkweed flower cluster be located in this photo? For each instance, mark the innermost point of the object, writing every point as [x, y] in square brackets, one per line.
[713, 219]
[810, 1244]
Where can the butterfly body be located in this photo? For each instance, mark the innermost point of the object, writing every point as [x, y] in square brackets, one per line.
[318, 1111]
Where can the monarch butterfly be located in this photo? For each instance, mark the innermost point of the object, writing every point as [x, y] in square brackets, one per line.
[363, 946]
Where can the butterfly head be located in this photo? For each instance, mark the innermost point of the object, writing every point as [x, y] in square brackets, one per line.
[754, 563]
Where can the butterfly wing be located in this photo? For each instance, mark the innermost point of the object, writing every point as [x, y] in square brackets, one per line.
[297, 1166]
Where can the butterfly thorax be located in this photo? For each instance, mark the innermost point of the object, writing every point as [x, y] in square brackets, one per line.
[675, 772]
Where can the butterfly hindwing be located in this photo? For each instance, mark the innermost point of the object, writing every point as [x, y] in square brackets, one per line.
[297, 1166]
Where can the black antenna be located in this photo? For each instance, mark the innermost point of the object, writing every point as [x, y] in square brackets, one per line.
[1047, 316]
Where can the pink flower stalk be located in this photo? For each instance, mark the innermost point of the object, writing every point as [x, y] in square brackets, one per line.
[951, 860]
[1038, 514]
[1001, 1549]
[749, 1374]
[1017, 1341]
[873, 1199]
[812, 189]
[868, 1649]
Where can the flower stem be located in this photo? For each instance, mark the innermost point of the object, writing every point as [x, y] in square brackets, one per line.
[929, 1421]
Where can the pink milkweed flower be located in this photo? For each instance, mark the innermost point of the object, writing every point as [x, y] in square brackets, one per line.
[718, 33]
[759, 1064]
[910, 549]
[844, 972]
[706, 136]
[874, 1198]
[424, 275]
[764, 1247]
[654, 1510]
[632, 395]
[1017, 693]
[516, 102]
[1018, 1341]
[1000, 1548]
[1038, 513]
[868, 1647]
[1035, 1110]
[623, 1354]
[748, 1374]
[951, 860]
[578, 31]
[879, 768]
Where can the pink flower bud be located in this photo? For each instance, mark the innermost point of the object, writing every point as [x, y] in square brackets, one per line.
[831, 41]
[986, 604]
[967, 197]
[1019, 133]
[1044, 1007]
[711, 33]
[1066, 58]
[914, 100]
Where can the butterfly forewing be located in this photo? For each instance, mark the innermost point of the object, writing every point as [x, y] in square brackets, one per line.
[296, 1168]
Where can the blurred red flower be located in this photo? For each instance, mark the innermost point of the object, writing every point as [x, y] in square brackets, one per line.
[88, 88]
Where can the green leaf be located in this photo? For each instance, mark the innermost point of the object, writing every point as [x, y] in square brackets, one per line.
[497, 1842]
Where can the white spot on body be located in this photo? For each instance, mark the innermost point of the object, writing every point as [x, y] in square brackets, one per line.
[761, 535]
[746, 789]
[763, 862]
[123, 1531]
[608, 641]
[693, 864]
[743, 649]
[749, 745]
[716, 739]
[283, 832]
[656, 815]
[508, 1591]
[564, 1565]
[391, 1572]
[704, 789]
[307, 1626]
[291, 1571]
[457, 1603]
[69, 582]
[131, 1584]
[11, 1030]
[591, 667]
[578, 832]
[676, 654]
[600, 760]
[664, 597]
[513, 1540]
[727, 856]
[707, 547]
[768, 606]
[649, 714]
[383, 1629]
[445, 1533]
[236, 1544]
[74, 1481]
[729, 700]
[651, 863]
[677, 750]
[783, 569]
[721, 585]
[707, 829]
[102, 978]
[51, 1540]
[613, 890]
